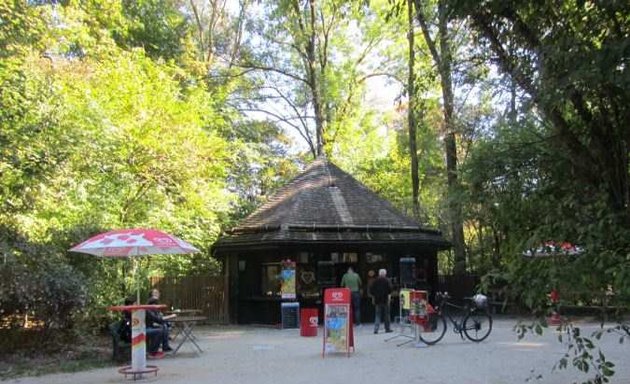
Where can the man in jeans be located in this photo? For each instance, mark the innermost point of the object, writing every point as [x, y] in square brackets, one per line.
[380, 290]
[153, 335]
[352, 281]
[155, 320]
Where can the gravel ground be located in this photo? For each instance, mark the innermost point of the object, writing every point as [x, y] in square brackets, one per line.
[261, 355]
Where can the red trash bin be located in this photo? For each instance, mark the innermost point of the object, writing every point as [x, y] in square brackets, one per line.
[309, 319]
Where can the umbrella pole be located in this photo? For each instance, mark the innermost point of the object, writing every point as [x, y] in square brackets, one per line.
[135, 275]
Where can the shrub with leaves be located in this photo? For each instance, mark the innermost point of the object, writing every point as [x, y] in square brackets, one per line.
[51, 293]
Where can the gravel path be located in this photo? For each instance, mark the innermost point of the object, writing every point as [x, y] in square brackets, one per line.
[240, 355]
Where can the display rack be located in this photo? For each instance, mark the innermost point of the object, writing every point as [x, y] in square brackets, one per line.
[404, 307]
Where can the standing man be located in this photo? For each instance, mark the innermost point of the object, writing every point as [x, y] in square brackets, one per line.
[380, 290]
[352, 281]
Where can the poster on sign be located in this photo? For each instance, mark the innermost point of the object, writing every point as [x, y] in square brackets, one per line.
[336, 328]
[338, 332]
[418, 313]
[287, 288]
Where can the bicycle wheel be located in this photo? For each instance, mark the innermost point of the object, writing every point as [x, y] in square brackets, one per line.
[435, 329]
[477, 325]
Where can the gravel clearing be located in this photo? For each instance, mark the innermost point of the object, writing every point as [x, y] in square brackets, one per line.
[239, 355]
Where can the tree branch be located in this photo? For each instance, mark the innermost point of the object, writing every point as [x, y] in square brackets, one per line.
[272, 69]
[427, 34]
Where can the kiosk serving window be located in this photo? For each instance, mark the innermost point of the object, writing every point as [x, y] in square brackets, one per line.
[270, 281]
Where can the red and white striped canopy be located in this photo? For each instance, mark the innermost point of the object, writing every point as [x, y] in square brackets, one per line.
[133, 242]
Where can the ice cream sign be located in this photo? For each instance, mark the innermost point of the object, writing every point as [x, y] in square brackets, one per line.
[337, 296]
[338, 334]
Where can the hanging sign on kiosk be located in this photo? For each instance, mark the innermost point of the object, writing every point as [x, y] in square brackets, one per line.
[338, 332]
[287, 287]
[405, 299]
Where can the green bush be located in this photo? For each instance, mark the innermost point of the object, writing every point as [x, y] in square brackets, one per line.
[49, 291]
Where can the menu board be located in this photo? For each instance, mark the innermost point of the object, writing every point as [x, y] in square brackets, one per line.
[290, 313]
[338, 332]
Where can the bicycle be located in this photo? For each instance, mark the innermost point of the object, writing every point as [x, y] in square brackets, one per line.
[476, 322]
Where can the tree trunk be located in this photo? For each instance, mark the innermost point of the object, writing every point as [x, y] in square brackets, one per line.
[496, 248]
[443, 61]
[314, 80]
[450, 142]
[411, 92]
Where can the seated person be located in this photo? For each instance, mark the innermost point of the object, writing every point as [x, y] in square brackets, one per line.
[154, 335]
[124, 331]
[155, 294]
[155, 320]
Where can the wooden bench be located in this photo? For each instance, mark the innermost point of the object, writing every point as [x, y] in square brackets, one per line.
[121, 349]
[497, 301]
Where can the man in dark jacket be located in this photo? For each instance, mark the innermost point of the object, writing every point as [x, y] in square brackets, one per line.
[380, 290]
[155, 320]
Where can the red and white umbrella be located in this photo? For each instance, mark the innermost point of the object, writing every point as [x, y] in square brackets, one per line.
[552, 248]
[133, 242]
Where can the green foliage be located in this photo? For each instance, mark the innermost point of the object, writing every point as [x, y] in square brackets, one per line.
[95, 137]
[386, 169]
[21, 28]
[585, 356]
[45, 288]
[108, 121]
[157, 26]
[557, 168]
[311, 81]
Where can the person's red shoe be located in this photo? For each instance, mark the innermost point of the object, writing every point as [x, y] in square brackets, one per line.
[156, 355]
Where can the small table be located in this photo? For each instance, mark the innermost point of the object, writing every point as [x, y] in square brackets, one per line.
[184, 312]
[181, 312]
[138, 365]
[185, 326]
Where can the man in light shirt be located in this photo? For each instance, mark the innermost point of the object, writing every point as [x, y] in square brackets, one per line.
[352, 281]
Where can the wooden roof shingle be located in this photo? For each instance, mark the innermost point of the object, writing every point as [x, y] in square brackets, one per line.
[324, 204]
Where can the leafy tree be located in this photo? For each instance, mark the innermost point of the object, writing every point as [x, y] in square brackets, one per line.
[569, 57]
[441, 49]
[559, 171]
[218, 34]
[103, 139]
[158, 26]
[262, 164]
[311, 79]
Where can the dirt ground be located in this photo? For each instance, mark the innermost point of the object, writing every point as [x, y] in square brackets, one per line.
[263, 355]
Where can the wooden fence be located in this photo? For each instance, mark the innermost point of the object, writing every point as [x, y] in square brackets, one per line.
[205, 293]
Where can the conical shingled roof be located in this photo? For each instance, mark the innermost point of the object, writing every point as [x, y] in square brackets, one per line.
[325, 204]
